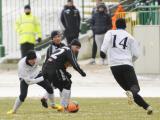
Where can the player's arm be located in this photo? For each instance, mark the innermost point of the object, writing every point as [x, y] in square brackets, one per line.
[23, 75]
[71, 58]
[105, 44]
[135, 50]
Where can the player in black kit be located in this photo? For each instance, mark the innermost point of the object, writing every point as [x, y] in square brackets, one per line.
[55, 70]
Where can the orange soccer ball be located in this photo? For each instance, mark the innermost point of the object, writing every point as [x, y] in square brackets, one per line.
[73, 107]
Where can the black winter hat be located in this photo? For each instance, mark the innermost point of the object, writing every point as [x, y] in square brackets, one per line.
[31, 55]
[54, 33]
[27, 7]
[69, 0]
[101, 5]
[75, 42]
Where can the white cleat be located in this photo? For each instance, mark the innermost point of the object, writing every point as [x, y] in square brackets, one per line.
[130, 97]
[149, 110]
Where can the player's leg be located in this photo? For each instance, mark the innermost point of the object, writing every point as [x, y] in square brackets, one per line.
[117, 72]
[21, 98]
[64, 85]
[133, 85]
[47, 72]
[47, 86]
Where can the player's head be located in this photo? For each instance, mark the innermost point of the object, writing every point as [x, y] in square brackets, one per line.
[70, 3]
[56, 37]
[121, 23]
[31, 57]
[27, 9]
[75, 45]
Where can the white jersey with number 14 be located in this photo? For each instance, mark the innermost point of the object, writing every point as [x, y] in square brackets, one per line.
[121, 47]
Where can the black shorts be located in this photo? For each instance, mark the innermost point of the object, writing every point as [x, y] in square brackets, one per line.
[59, 78]
[126, 77]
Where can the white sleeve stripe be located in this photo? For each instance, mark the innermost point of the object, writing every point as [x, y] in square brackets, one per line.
[74, 60]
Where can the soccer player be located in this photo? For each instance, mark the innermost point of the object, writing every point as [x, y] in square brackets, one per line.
[122, 50]
[56, 44]
[29, 73]
[55, 70]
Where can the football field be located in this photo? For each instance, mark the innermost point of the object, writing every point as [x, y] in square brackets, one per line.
[90, 109]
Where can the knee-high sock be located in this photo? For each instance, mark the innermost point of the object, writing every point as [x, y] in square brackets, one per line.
[140, 101]
[17, 104]
[65, 97]
[51, 98]
[46, 94]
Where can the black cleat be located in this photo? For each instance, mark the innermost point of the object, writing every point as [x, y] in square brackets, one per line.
[44, 103]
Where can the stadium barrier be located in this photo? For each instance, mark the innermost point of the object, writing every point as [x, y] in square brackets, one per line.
[140, 18]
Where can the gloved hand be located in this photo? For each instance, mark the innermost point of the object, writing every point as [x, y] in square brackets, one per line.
[68, 75]
[83, 73]
[39, 40]
[102, 54]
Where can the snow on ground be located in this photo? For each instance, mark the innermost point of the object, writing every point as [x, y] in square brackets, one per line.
[99, 82]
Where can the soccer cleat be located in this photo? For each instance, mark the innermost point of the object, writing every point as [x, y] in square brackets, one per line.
[11, 112]
[56, 106]
[61, 109]
[149, 110]
[130, 97]
[44, 103]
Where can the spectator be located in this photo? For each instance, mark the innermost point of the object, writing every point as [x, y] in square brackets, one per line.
[70, 19]
[28, 26]
[94, 47]
[100, 23]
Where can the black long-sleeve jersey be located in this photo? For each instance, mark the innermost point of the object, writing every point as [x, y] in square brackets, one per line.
[53, 47]
[63, 55]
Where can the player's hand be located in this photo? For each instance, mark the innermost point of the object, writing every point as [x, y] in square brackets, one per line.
[68, 75]
[39, 40]
[102, 54]
[28, 81]
[83, 73]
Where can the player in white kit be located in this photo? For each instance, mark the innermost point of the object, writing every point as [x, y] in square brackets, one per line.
[29, 73]
[122, 50]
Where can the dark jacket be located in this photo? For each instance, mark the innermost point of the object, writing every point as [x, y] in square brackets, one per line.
[70, 19]
[101, 23]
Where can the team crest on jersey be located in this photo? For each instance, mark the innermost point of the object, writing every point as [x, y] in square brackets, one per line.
[67, 11]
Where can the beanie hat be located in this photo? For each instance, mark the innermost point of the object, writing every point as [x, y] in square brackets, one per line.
[101, 5]
[27, 7]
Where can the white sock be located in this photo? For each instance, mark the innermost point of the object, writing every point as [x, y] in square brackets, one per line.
[65, 97]
[45, 95]
[17, 104]
[51, 98]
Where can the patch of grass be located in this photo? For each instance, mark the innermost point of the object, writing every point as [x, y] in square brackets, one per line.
[90, 109]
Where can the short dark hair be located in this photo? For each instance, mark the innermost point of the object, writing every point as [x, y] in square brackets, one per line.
[121, 23]
[27, 7]
[31, 54]
[75, 42]
[54, 33]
